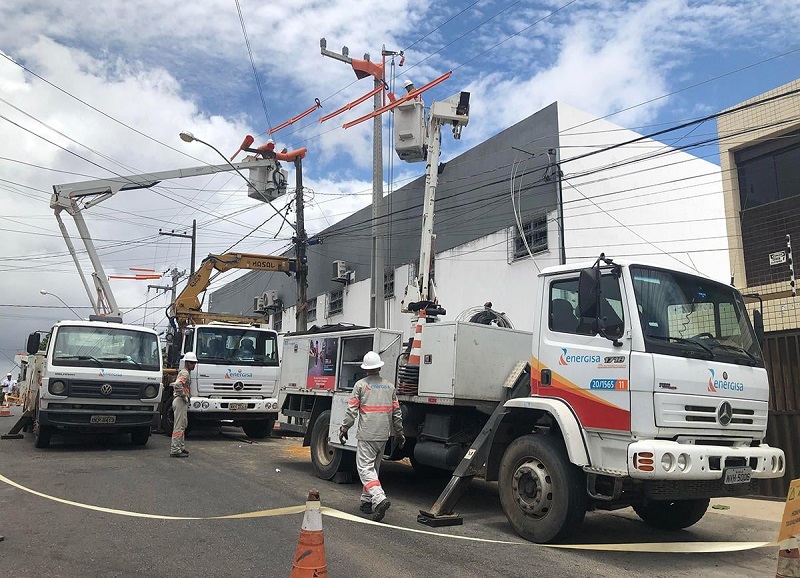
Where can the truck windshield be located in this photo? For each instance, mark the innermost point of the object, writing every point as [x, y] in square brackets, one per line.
[690, 316]
[222, 345]
[106, 347]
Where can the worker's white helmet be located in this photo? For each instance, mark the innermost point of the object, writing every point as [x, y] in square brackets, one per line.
[372, 361]
[8, 374]
[407, 83]
[190, 356]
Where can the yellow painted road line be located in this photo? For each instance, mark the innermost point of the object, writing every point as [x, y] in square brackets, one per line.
[666, 547]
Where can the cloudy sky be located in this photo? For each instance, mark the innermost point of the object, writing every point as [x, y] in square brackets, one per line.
[99, 89]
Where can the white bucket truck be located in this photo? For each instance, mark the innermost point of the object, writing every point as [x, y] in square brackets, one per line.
[97, 376]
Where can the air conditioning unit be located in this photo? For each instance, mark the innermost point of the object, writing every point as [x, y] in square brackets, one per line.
[340, 273]
[258, 304]
[270, 298]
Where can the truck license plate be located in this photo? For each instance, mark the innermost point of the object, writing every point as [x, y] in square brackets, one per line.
[103, 419]
[737, 475]
[237, 406]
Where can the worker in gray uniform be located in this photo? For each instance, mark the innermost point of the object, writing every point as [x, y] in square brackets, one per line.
[180, 405]
[375, 403]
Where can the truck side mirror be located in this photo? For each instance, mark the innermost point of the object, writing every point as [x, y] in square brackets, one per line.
[34, 340]
[758, 325]
[589, 292]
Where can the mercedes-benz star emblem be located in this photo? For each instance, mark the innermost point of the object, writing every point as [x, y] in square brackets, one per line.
[724, 413]
[106, 389]
[238, 386]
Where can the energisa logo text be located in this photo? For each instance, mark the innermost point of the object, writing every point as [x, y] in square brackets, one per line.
[566, 358]
[107, 373]
[238, 374]
[715, 384]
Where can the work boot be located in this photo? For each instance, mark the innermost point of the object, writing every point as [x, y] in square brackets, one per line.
[185, 452]
[379, 511]
[186, 455]
[365, 507]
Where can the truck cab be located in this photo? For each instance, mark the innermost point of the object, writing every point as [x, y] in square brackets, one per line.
[236, 376]
[97, 376]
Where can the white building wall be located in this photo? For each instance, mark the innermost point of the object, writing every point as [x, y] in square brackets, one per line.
[666, 209]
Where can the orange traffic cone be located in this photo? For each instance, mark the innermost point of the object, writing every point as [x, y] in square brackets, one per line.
[789, 562]
[309, 558]
[5, 411]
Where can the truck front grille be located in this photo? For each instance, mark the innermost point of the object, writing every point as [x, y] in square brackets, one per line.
[94, 389]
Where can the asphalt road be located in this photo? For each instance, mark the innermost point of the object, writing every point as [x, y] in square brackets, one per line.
[226, 476]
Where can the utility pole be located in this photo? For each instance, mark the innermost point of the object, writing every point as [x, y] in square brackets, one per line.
[176, 276]
[300, 249]
[193, 237]
[364, 68]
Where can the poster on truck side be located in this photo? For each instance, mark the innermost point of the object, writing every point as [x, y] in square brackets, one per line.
[322, 363]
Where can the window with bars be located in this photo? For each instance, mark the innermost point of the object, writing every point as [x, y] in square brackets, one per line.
[336, 301]
[388, 283]
[535, 234]
[311, 309]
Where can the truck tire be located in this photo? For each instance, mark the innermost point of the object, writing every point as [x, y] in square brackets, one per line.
[41, 435]
[543, 495]
[327, 460]
[672, 514]
[258, 430]
[167, 418]
[140, 435]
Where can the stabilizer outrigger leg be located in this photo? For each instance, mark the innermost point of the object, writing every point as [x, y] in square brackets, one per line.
[25, 421]
[474, 461]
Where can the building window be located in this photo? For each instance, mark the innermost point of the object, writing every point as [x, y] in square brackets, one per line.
[535, 234]
[388, 283]
[336, 301]
[277, 321]
[311, 309]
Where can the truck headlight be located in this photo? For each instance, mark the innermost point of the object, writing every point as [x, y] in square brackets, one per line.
[684, 462]
[668, 462]
[150, 391]
[205, 405]
[58, 387]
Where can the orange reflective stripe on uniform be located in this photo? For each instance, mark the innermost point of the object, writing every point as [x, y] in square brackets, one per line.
[180, 379]
[371, 484]
[376, 408]
[177, 434]
[354, 402]
[395, 404]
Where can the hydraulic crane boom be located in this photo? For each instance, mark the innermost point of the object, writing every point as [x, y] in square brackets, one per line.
[188, 302]
[74, 198]
[421, 293]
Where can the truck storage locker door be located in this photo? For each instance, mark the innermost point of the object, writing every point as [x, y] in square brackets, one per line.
[437, 363]
[294, 363]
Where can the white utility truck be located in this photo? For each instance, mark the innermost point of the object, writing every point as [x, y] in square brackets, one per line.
[96, 376]
[645, 387]
[235, 379]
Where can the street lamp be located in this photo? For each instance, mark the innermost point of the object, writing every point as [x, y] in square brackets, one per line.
[43, 292]
[189, 137]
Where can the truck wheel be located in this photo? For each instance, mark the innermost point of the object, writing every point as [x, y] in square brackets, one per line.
[327, 459]
[41, 435]
[167, 418]
[140, 435]
[672, 515]
[542, 493]
[258, 429]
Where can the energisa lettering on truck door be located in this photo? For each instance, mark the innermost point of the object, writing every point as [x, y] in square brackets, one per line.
[587, 371]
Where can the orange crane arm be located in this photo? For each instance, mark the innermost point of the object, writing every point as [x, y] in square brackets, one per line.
[189, 302]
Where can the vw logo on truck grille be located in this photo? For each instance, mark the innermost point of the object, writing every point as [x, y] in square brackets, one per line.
[238, 386]
[724, 413]
[106, 389]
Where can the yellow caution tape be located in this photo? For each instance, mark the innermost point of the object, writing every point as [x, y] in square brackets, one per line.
[668, 547]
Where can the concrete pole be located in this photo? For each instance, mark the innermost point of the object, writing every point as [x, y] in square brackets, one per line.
[300, 250]
[377, 306]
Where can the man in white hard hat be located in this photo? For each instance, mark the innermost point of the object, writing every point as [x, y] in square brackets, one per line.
[375, 402]
[180, 405]
[409, 86]
[6, 387]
